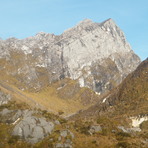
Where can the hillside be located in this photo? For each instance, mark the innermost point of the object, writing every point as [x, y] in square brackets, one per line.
[130, 98]
[68, 72]
[117, 121]
[80, 89]
[65, 95]
[122, 114]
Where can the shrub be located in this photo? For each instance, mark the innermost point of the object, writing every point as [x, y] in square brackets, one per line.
[94, 141]
[122, 135]
[62, 120]
[123, 145]
[13, 139]
[144, 125]
[60, 112]
[82, 127]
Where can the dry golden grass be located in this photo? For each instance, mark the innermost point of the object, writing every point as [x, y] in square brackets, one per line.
[49, 98]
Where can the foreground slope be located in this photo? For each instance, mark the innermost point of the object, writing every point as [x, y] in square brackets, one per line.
[122, 114]
[117, 121]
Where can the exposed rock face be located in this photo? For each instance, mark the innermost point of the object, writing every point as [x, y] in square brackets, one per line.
[136, 121]
[93, 53]
[65, 139]
[4, 99]
[33, 129]
[94, 129]
[129, 130]
[28, 127]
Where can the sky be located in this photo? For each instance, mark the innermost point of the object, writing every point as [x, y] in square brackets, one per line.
[24, 18]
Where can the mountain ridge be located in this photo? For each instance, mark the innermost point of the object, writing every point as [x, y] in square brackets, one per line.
[91, 54]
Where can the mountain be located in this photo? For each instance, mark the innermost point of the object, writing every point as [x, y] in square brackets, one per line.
[62, 91]
[69, 70]
[91, 53]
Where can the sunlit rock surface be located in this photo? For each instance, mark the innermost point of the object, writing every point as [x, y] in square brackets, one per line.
[95, 54]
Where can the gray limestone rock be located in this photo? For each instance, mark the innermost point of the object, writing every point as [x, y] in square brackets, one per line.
[77, 54]
[56, 122]
[95, 129]
[129, 130]
[59, 145]
[13, 116]
[5, 111]
[33, 129]
[67, 145]
[4, 98]
[64, 133]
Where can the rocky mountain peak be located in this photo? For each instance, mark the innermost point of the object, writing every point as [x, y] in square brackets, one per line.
[44, 34]
[110, 26]
[41, 34]
[85, 22]
[109, 22]
[84, 53]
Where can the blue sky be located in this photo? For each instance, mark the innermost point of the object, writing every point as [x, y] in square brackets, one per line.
[24, 18]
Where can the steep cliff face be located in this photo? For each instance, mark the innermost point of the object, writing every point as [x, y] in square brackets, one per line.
[92, 53]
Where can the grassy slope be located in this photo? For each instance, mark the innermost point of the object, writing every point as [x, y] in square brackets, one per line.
[69, 99]
[131, 97]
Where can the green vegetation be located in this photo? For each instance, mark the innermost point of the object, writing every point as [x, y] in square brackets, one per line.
[123, 145]
[144, 125]
[82, 127]
[122, 135]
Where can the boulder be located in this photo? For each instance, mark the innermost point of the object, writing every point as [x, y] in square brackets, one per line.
[67, 135]
[95, 129]
[5, 111]
[33, 129]
[59, 145]
[4, 99]
[64, 133]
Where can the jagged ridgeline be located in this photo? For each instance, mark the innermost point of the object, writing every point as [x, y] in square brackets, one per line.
[91, 55]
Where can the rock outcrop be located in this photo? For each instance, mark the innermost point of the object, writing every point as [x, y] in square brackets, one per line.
[95, 129]
[33, 129]
[31, 125]
[28, 127]
[92, 53]
[65, 139]
[4, 98]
